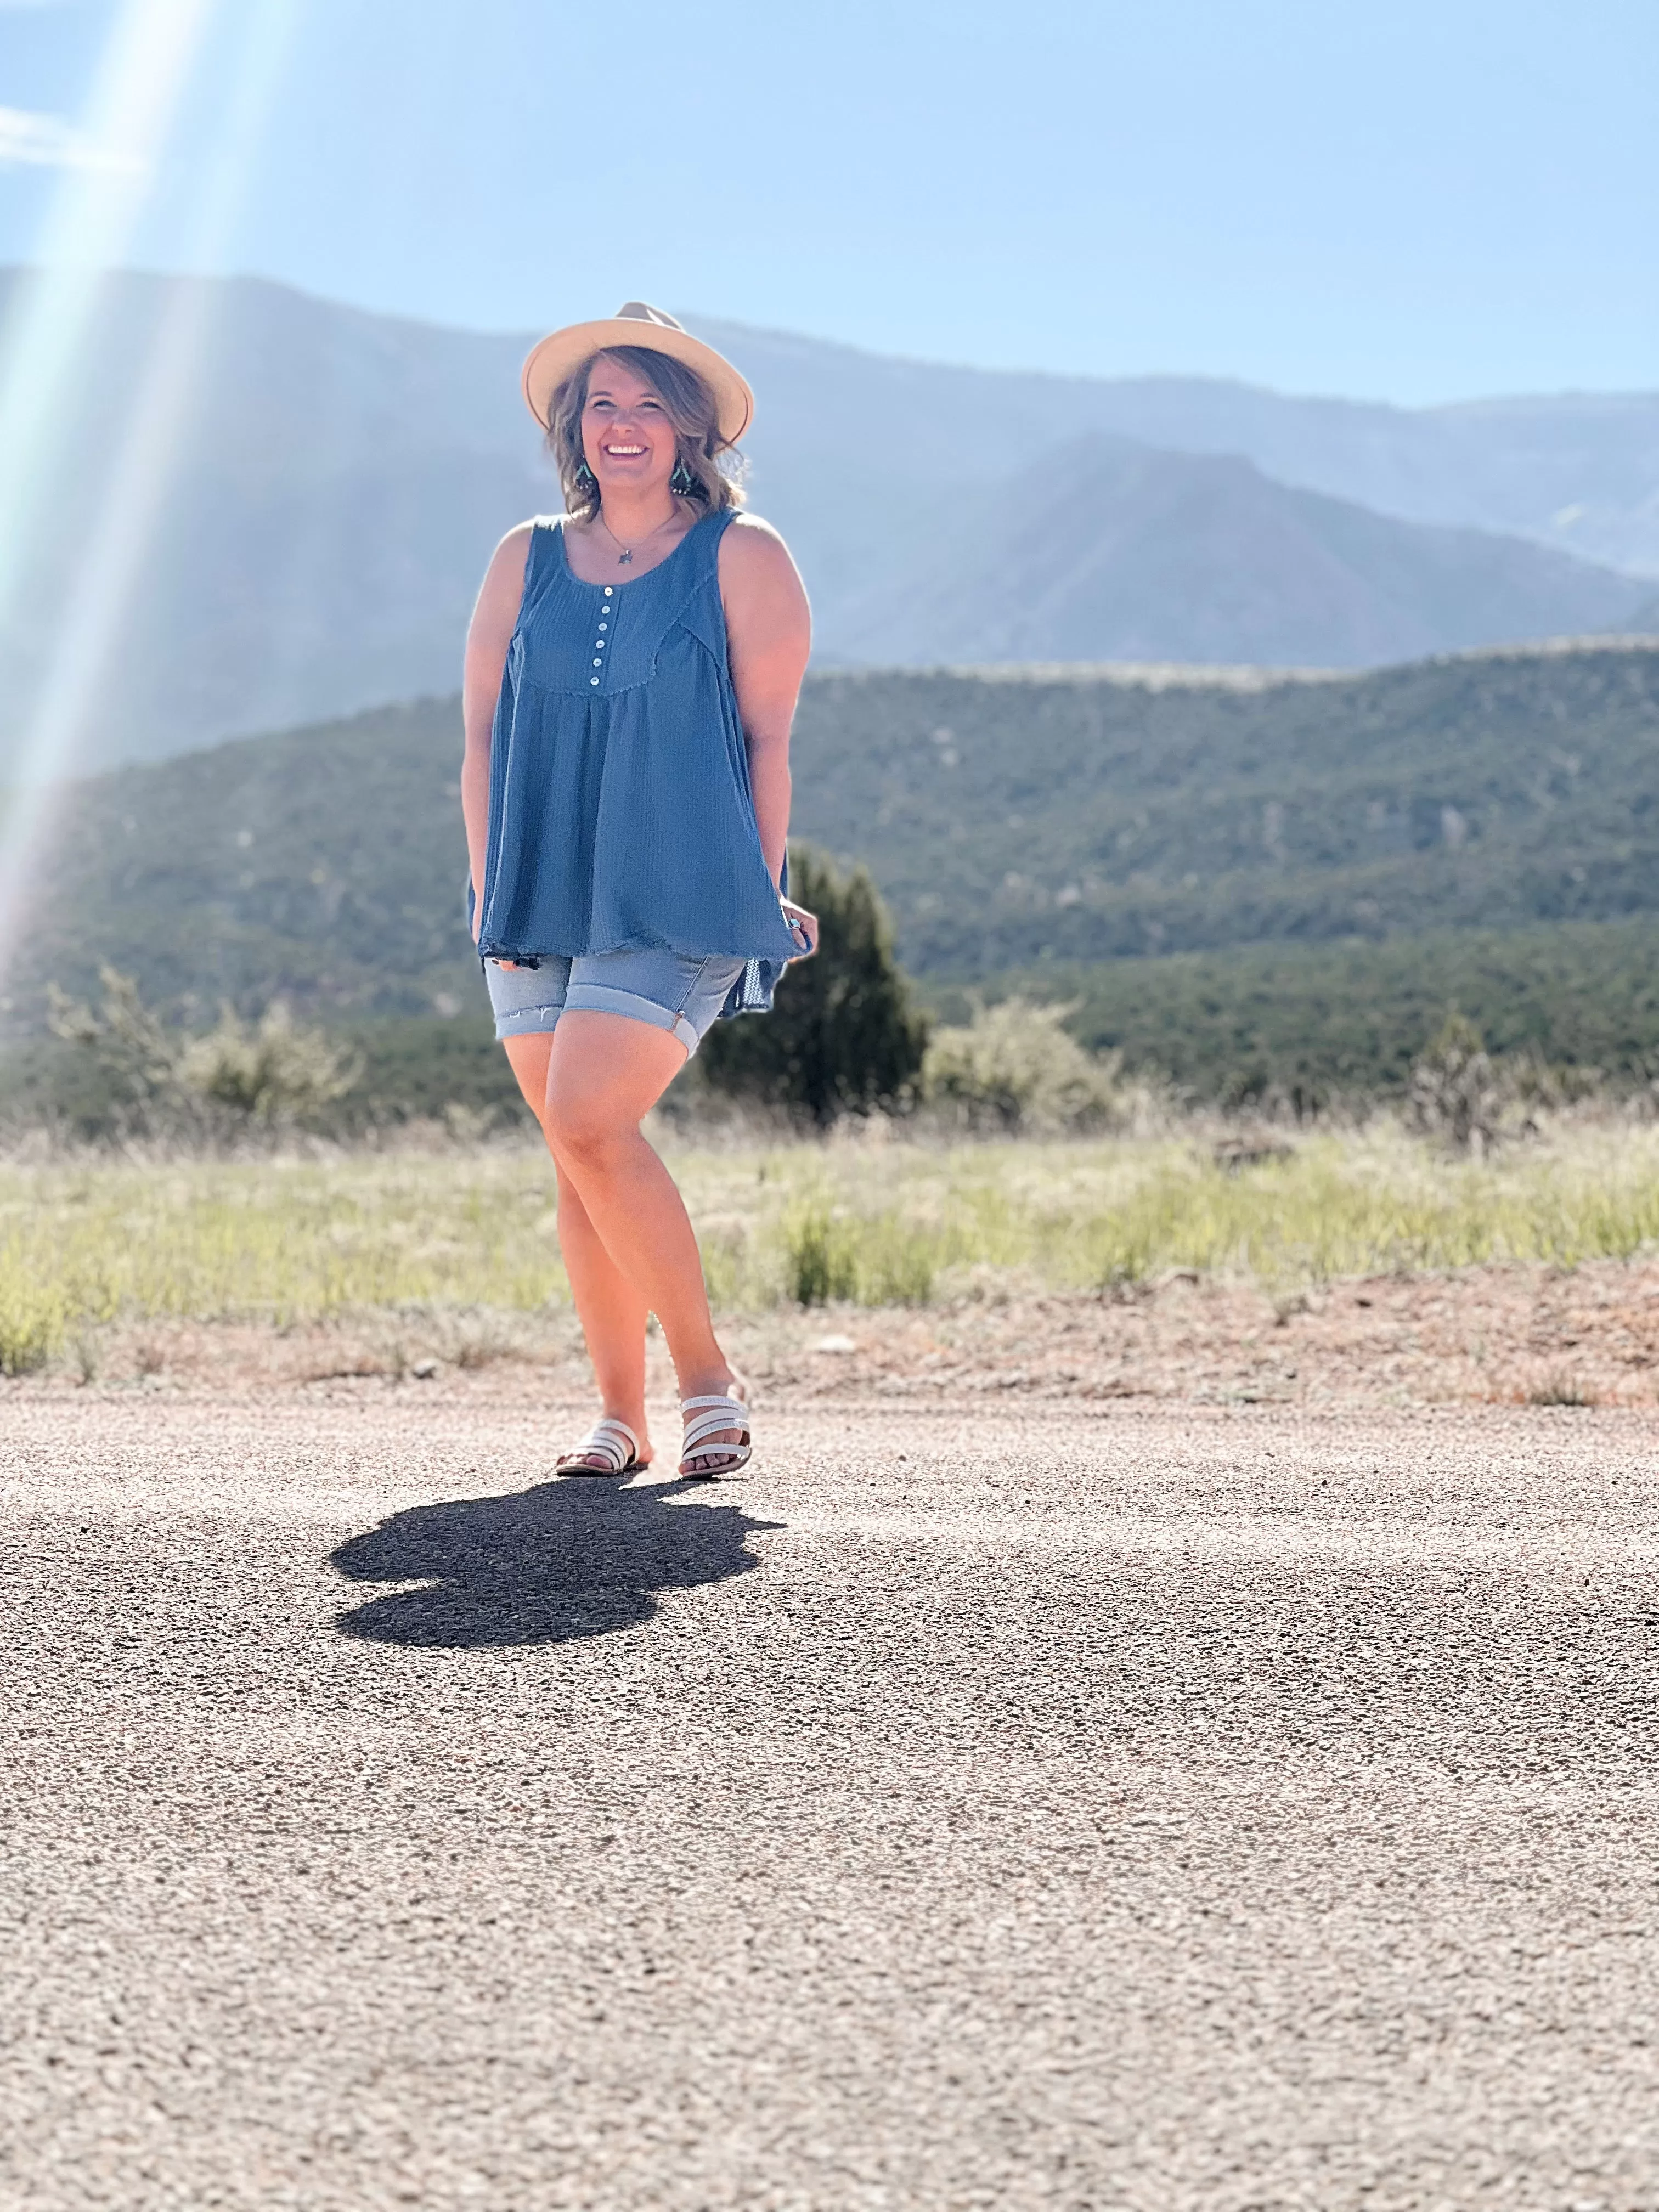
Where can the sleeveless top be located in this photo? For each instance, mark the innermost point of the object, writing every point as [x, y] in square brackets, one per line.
[621, 817]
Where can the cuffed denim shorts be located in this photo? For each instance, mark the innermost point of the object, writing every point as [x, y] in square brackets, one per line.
[679, 992]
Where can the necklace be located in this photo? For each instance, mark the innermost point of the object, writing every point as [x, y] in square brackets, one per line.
[625, 553]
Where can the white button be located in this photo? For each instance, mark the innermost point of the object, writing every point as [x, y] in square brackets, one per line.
[604, 625]
[592, 679]
[607, 591]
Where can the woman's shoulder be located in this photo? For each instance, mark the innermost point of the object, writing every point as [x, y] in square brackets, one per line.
[760, 586]
[518, 570]
[745, 526]
[535, 528]
[514, 547]
[751, 548]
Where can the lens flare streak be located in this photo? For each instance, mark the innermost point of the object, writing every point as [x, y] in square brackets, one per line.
[152, 54]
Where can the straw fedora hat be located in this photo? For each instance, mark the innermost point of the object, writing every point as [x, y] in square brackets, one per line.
[634, 324]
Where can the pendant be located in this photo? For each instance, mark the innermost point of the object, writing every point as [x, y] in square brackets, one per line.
[624, 557]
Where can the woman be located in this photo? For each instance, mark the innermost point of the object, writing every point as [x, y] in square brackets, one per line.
[632, 670]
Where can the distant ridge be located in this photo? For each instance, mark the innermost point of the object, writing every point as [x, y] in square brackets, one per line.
[1253, 676]
[1113, 551]
[343, 477]
[1144, 675]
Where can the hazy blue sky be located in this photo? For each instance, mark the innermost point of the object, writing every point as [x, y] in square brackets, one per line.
[1418, 199]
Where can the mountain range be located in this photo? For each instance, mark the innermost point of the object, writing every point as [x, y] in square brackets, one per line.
[336, 480]
[1125, 553]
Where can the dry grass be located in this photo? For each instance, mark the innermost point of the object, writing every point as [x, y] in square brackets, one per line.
[467, 1238]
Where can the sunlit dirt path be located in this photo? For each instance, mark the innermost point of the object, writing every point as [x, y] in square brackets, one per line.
[1084, 1806]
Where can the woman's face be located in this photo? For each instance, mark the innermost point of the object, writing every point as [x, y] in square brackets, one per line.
[627, 435]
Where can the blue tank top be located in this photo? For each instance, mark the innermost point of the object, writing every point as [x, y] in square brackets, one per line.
[621, 817]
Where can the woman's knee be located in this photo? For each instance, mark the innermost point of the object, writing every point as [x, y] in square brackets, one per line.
[582, 1132]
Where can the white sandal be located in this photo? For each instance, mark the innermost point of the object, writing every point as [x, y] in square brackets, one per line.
[610, 1440]
[721, 1412]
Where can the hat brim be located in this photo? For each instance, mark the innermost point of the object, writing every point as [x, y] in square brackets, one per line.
[551, 361]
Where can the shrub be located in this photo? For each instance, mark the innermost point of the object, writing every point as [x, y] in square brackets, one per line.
[152, 1081]
[1015, 1068]
[271, 1072]
[134, 1058]
[843, 1036]
[1459, 1095]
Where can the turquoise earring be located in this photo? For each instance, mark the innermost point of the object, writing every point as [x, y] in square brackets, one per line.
[681, 482]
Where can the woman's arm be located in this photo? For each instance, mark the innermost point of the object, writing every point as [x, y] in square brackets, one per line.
[769, 628]
[487, 640]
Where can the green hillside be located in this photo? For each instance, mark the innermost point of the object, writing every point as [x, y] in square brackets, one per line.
[326, 863]
[1315, 1022]
[1354, 831]
[1085, 817]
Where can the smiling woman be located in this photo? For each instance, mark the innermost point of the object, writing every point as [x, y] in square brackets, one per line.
[631, 676]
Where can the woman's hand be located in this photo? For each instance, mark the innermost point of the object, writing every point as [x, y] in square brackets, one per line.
[477, 925]
[802, 927]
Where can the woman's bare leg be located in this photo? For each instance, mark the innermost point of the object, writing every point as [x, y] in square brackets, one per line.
[605, 1073]
[611, 1311]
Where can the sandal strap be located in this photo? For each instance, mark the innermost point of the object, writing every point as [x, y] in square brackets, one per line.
[724, 1413]
[732, 1456]
[607, 1437]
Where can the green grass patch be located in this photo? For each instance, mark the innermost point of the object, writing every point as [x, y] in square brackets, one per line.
[874, 1224]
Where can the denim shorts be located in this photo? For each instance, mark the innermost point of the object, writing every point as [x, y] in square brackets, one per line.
[679, 992]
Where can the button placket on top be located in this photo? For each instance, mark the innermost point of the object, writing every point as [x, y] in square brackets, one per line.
[599, 643]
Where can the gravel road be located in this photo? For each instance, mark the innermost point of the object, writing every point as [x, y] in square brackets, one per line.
[1232, 1808]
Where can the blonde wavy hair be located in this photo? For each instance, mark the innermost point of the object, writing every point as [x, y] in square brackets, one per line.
[713, 463]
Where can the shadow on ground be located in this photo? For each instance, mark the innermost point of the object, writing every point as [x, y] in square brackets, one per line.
[562, 1560]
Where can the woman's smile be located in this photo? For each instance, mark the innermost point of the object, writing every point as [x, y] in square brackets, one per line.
[627, 434]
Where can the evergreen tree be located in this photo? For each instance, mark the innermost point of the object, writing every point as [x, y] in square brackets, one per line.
[843, 1036]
